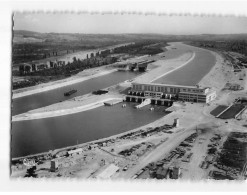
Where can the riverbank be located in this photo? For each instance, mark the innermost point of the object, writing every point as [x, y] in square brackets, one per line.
[177, 67]
[80, 77]
[164, 66]
[72, 106]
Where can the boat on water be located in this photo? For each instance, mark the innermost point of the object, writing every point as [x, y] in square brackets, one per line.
[70, 92]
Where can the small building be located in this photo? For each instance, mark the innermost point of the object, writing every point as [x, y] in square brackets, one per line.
[41, 66]
[175, 173]
[60, 154]
[162, 173]
[210, 158]
[54, 166]
[75, 152]
[176, 122]
[23, 67]
[92, 146]
[102, 162]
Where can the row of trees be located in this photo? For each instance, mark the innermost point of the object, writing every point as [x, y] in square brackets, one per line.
[36, 51]
[28, 83]
[239, 46]
[141, 48]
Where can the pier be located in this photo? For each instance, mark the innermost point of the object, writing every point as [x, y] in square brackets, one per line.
[112, 102]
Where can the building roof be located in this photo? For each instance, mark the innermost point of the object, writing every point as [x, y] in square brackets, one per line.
[167, 85]
[75, 151]
[108, 172]
[162, 171]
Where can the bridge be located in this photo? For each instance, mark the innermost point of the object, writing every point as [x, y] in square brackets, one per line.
[138, 66]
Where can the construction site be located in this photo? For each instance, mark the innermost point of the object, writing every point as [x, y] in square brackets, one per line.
[156, 151]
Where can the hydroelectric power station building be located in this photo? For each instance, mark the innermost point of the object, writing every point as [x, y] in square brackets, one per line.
[163, 93]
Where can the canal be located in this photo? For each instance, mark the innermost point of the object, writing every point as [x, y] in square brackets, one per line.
[194, 71]
[41, 135]
[30, 102]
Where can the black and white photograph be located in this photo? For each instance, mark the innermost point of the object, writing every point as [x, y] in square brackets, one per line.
[127, 96]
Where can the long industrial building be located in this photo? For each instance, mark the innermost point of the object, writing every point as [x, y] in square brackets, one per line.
[182, 93]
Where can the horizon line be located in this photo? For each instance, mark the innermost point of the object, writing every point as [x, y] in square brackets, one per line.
[130, 33]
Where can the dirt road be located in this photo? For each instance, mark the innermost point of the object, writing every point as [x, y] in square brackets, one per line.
[156, 154]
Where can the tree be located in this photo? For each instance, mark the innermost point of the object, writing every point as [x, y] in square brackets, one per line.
[31, 172]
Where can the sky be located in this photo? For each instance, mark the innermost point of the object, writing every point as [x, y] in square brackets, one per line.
[128, 23]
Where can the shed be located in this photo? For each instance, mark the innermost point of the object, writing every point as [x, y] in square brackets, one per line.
[54, 165]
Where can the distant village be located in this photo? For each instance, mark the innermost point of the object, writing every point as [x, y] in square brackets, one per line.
[99, 58]
[55, 67]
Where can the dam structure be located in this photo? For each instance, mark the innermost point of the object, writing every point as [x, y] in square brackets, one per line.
[163, 94]
[138, 66]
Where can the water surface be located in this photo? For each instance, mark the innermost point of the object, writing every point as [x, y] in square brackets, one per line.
[192, 73]
[30, 102]
[41, 135]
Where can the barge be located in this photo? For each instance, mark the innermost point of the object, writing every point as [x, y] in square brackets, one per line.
[70, 92]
